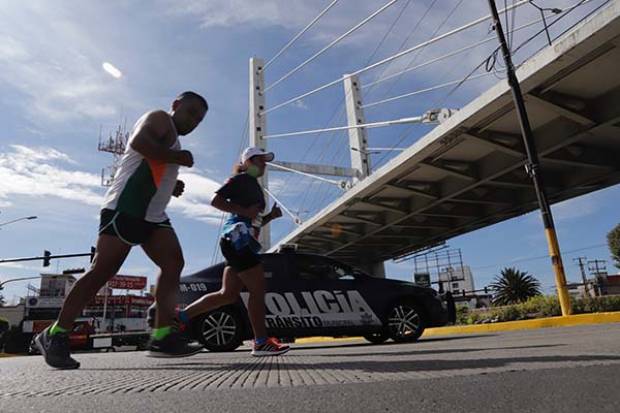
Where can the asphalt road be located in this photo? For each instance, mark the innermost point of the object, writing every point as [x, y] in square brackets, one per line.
[574, 369]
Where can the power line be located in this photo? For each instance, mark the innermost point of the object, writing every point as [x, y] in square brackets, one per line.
[448, 55]
[305, 29]
[539, 257]
[428, 62]
[565, 12]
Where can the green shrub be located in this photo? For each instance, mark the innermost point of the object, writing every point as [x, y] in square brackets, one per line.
[596, 304]
[462, 313]
[547, 306]
[474, 318]
[508, 313]
[537, 307]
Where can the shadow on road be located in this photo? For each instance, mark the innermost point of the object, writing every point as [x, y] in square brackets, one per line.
[374, 366]
[389, 343]
[438, 351]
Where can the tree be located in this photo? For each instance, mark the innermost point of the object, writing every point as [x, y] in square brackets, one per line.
[613, 240]
[513, 286]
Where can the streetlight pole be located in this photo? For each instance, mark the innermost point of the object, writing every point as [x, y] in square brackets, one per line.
[533, 166]
[16, 220]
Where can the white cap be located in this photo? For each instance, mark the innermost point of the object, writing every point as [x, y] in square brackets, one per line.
[253, 151]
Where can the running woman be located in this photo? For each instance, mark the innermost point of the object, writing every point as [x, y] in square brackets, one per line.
[242, 197]
[133, 213]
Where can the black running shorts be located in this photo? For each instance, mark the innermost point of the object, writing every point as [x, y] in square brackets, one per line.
[133, 231]
[241, 260]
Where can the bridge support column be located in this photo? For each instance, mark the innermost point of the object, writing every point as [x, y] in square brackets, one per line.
[258, 128]
[358, 138]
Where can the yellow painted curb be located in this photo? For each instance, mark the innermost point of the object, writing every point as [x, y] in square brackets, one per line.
[5, 355]
[312, 340]
[568, 321]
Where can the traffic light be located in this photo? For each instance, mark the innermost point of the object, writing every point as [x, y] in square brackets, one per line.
[46, 258]
[92, 253]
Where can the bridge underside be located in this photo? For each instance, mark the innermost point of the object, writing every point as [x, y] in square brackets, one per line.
[469, 172]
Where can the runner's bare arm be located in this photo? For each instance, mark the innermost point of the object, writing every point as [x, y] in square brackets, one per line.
[153, 141]
[222, 204]
[275, 213]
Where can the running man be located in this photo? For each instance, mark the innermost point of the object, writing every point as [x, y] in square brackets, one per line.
[242, 197]
[133, 213]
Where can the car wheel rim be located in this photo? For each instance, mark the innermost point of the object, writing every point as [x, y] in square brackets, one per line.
[404, 321]
[219, 328]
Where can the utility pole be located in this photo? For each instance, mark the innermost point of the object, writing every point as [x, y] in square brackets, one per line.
[598, 268]
[533, 166]
[581, 261]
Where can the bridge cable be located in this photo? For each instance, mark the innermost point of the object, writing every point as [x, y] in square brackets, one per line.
[330, 45]
[396, 56]
[341, 103]
[304, 30]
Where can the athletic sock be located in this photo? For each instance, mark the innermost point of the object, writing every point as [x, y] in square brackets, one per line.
[259, 341]
[183, 317]
[55, 329]
[160, 333]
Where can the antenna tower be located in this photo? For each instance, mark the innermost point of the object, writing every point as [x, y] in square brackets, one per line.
[114, 144]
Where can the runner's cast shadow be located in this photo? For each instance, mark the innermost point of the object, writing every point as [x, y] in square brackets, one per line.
[310, 346]
[372, 366]
[438, 351]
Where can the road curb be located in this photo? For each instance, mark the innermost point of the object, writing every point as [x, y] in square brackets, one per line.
[7, 355]
[566, 321]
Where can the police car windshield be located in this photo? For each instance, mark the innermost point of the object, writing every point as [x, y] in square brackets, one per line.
[340, 271]
[312, 267]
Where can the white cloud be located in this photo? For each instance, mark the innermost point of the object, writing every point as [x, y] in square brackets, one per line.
[292, 15]
[59, 73]
[196, 200]
[17, 265]
[35, 172]
[576, 208]
[300, 104]
[228, 13]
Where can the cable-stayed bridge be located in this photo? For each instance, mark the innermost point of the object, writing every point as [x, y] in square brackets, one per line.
[469, 171]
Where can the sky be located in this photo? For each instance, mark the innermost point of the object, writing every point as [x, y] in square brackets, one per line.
[72, 71]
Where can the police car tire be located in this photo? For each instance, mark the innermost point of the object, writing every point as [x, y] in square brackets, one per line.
[376, 338]
[228, 316]
[406, 306]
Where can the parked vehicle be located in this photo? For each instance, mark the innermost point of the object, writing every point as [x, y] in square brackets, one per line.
[312, 295]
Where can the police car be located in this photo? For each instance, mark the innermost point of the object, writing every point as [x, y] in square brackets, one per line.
[311, 295]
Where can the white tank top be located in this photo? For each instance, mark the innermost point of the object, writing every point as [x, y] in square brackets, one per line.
[143, 187]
